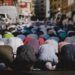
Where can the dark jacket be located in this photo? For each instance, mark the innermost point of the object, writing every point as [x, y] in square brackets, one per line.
[25, 58]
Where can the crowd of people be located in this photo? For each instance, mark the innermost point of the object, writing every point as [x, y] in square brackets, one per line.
[44, 45]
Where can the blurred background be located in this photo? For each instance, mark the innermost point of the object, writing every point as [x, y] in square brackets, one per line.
[40, 8]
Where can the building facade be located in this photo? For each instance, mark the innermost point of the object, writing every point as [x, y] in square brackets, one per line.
[71, 5]
[40, 8]
[7, 2]
[64, 5]
[24, 7]
[33, 7]
[56, 4]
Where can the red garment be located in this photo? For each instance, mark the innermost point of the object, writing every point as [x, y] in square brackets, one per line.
[33, 43]
[41, 41]
[26, 40]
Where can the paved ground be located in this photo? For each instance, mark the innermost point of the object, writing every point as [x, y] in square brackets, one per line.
[37, 73]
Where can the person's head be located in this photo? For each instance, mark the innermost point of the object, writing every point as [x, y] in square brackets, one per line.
[41, 40]
[62, 34]
[51, 32]
[11, 28]
[70, 21]
[58, 20]
[49, 66]
[71, 33]
[40, 33]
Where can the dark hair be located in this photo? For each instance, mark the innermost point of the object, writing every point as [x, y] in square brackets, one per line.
[40, 33]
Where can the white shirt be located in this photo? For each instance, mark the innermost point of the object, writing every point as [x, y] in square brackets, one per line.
[47, 53]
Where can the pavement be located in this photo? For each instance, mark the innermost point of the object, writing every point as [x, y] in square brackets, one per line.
[37, 73]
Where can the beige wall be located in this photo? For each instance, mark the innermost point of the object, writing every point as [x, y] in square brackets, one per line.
[25, 10]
